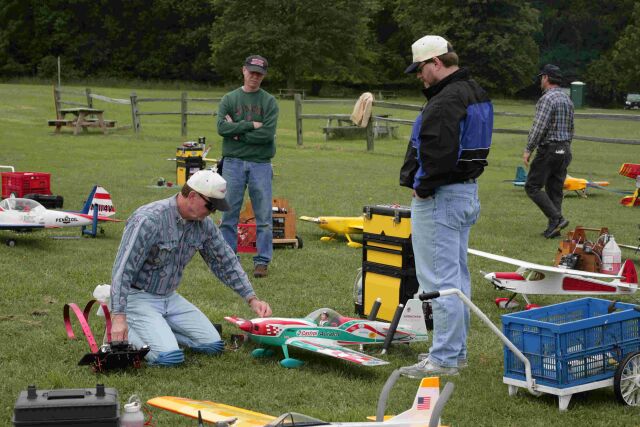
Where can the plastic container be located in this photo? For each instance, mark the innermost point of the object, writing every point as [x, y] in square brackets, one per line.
[611, 257]
[571, 343]
[132, 415]
[247, 238]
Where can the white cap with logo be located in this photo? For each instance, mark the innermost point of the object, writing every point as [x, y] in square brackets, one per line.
[211, 185]
[425, 49]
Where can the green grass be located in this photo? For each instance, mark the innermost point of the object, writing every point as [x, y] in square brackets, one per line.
[41, 274]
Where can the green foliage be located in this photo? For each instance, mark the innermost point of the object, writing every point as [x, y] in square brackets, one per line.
[303, 40]
[492, 38]
[337, 177]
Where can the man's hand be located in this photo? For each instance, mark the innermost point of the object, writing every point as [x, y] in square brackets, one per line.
[261, 308]
[119, 328]
[228, 118]
[257, 125]
[525, 158]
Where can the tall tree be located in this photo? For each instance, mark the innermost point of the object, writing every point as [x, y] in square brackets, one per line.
[494, 38]
[304, 40]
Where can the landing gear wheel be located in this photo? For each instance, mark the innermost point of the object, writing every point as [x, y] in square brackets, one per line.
[299, 242]
[626, 381]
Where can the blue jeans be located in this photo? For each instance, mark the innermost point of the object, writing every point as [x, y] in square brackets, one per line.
[163, 322]
[440, 228]
[239, 175]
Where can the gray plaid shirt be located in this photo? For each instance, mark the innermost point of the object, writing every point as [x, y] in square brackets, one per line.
[553, 121]
[158, 243]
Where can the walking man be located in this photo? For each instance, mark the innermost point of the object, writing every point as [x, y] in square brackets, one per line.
[442, 164]
[247, 119]
[551, 135]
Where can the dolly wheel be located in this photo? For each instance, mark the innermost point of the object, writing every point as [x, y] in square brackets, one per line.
[626, 381]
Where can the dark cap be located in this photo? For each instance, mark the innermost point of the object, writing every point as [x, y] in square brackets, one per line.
[257, 64]
[550, 70]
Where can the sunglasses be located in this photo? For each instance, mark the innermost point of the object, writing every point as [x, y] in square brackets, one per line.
[207, 203]
[419, 70]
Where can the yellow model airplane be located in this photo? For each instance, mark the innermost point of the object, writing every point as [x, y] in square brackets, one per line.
[579, 185]
[345, 225]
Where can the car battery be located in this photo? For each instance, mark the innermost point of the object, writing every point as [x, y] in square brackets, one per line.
[97, 406]
[20, 183]
[189, 160]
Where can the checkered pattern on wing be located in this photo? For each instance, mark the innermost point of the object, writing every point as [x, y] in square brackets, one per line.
[273, 330]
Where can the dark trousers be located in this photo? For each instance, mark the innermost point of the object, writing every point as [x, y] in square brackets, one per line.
[548, 170]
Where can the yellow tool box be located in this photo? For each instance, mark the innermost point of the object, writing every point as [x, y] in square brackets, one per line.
[388, 267]
[189, 160]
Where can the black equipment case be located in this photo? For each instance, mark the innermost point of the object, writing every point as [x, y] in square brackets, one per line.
[67, 407]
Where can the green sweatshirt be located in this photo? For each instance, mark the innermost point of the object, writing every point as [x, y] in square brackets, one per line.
[240, 139]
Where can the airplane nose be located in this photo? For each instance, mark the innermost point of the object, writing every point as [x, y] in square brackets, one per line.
[490, 276]
[246, 326]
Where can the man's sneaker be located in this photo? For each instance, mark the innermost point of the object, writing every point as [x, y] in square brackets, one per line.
[260, 270]
[554, 228]
[426, 368]
[462, 363]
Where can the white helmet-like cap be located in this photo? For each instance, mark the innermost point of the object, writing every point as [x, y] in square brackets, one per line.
[425, 49]
[211, 185]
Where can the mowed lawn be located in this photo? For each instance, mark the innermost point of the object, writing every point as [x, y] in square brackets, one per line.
[337, 177]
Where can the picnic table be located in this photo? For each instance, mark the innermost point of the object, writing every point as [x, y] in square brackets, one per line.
[345, 128]
[83, 118]
[289, 93]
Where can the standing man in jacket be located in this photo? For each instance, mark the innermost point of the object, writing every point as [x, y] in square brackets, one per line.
[551, 135]
[442, 165]
[247, 119]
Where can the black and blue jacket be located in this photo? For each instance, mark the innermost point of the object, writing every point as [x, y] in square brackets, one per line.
[453, 135]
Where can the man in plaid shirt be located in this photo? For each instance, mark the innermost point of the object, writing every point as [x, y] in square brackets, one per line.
[551, 135]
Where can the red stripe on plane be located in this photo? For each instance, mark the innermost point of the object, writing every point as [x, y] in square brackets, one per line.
[573, 284]
[104, 196]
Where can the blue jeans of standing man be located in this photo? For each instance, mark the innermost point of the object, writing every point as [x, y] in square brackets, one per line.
[241, 175]
[440, 227]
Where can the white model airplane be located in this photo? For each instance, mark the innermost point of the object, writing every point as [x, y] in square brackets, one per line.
[536, 279]
[426, 410]
[20, 215]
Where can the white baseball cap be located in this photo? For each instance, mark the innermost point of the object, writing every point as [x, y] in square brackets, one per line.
[211, 185]
[425, 49]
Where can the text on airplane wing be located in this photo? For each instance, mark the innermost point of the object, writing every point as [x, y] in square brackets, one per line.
[542, 268]
[328, 348]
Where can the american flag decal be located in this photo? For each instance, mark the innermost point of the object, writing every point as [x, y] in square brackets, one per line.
[424, 403]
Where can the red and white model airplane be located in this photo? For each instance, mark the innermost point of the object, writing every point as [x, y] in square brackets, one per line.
[536, 279]
[18, 214]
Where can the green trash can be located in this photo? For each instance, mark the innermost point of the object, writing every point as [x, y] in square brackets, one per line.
[577, 94]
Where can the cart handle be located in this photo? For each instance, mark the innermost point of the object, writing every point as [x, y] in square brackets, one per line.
[531, 384]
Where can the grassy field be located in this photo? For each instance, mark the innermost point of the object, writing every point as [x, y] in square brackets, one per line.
[339, 177]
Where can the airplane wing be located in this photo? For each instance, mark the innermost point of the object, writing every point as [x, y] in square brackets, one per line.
[542, 268]
[212, 412]
[329, 348]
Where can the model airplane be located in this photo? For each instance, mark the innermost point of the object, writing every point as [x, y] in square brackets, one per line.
[330, 337]
[632, 171]
[18, 214]
[345, 225]
[579, 185]
[536, 279]
[425, 411]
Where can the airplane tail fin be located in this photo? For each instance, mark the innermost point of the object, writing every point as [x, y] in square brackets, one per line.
[426, 398]
[99, 199]
[628, 271]
[413, 317]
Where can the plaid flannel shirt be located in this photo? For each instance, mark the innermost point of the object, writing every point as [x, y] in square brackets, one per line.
[156, 246]
[553, 121]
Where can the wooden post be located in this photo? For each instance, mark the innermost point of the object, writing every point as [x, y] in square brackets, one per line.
[298, 106]
[183, 113]
[370, 133]
[135, 119]
[56, 102]
[87, 91]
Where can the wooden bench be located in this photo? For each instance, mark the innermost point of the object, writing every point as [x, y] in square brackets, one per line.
[289, 93]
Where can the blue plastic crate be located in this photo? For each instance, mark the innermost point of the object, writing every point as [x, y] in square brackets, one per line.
[571, 343]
